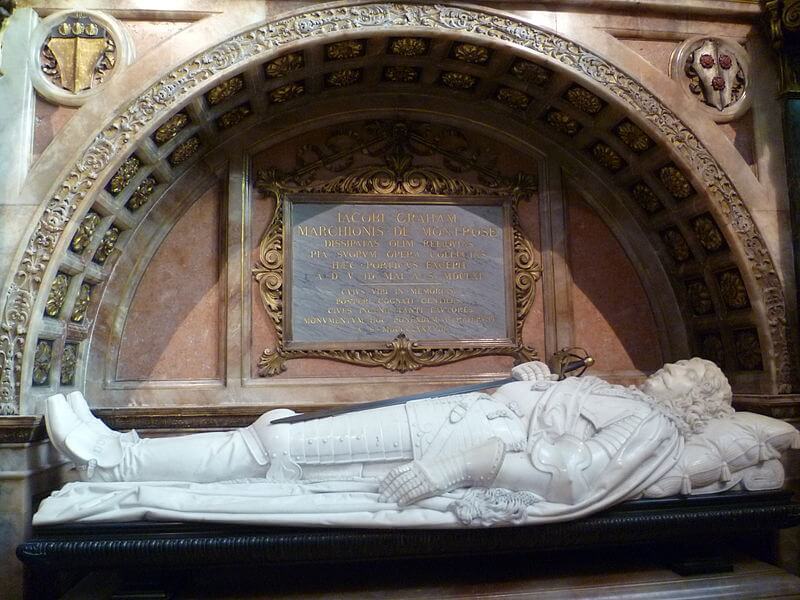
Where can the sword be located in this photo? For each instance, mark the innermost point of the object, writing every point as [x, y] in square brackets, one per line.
[465, 389]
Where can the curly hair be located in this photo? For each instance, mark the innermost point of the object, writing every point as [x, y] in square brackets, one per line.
[710, 398]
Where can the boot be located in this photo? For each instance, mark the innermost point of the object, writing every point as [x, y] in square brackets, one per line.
[81, 409]
[201, 457]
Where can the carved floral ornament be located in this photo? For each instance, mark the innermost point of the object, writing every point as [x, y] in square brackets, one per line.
[716, 73]
[271, 40]
[73, 53]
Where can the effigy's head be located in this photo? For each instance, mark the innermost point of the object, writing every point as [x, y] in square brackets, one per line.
[696, 390]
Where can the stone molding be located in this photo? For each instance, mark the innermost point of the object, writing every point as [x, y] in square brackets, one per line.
[111, 144]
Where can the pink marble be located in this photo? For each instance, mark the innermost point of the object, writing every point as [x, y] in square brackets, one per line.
[173, 328]
[147, 34]
[49, 121]
[656, 52]
[611, 314]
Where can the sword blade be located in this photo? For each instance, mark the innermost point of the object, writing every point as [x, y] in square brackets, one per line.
[321, 414]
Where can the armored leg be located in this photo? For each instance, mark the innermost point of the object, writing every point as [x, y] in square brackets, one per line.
[203, 457]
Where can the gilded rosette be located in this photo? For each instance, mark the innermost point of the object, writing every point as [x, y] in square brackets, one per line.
[107, 245]
[69, 363]
[225, 90]
[82, 303]
[123, 176]
[562, 122]
[470, 53]
[42, 360]
[676, 244]
[633, 137]
[513, 98]
[530, 72]
[409, 46]
[284, 65]
[57, 295]
[584, 100]
[83, 237]
[458, 81]
[646, 198]
[287, 92]
[174, 125]
[185, 151]
[343, 78]
[345, 49]
[675, 182]
[141, 194]
[732, 289]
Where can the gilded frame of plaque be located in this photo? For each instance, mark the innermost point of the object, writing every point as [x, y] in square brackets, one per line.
[395, 179]
[392, 269]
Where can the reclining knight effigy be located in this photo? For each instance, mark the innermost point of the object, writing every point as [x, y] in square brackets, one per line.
[534, 451]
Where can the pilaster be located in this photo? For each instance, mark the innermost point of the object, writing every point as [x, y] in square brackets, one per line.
[30, 468]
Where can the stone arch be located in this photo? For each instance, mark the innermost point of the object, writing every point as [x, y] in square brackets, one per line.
[719, 179]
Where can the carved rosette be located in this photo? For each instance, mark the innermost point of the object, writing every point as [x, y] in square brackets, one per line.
[57, 296]
[82, 303]
[562, 122]
[69, 363]
[530, 72]
[116, 140]
[141, 195]
[395, 174]
[42, 361]
[409, 46]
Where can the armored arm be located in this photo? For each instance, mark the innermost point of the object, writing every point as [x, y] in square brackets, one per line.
[424, 478]
[534, 370]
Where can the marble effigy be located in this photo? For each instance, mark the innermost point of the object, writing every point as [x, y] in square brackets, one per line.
[535, 451]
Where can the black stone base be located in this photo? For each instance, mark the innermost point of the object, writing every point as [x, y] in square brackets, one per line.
[691, 535]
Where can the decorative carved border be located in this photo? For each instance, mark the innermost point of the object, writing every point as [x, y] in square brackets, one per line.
[395, 175]
[266, 40]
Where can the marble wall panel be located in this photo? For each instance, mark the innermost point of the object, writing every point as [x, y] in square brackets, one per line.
[172, 330]
[656, 52]
[612, 316]
[50, 118]
[147, 34]
[14, 218]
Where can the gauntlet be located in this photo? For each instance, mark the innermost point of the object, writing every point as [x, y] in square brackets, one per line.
[421, 478]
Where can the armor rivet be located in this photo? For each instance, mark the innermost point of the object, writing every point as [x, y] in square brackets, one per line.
[396, 444]
[324, 441]
[310, 442]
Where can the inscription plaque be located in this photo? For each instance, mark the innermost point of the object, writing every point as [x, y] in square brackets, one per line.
[361, 272]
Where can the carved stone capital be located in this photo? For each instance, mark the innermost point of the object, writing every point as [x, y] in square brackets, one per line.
[783, 22]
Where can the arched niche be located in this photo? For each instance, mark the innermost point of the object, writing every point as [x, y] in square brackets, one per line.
[583, 107]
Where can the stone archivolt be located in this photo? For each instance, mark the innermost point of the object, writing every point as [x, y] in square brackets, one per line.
[267, 42]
